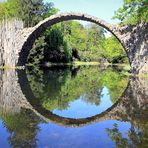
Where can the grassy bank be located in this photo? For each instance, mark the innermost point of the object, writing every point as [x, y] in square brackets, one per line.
[76, 63]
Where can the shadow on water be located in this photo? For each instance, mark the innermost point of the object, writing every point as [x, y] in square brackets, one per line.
[73, 97]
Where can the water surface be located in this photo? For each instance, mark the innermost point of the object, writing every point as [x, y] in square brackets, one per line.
[66, 107]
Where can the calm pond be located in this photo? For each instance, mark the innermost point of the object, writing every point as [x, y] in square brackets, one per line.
[73, 107]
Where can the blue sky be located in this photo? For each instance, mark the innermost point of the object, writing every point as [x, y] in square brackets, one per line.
[103, 9]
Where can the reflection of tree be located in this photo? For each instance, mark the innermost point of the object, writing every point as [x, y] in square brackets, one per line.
[85, 83]
[74, 71]
[115, 82]
[137, 137]
[47, 85]
[23, 128]
[56, 87]
[93, 97]
[61, 87]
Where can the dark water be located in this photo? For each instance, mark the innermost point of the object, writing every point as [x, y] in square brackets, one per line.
[65, 107]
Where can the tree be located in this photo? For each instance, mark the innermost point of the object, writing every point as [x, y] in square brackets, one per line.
[36, 54]
[8, 9]
[30, 11]
[113, 51]
[95, 38]
[87, 40]
[33, 11]
[133, 11]
[56, 50]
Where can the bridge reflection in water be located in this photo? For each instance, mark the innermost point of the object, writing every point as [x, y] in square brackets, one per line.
[17, 100]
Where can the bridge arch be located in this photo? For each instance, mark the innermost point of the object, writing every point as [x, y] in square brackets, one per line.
[34, 32]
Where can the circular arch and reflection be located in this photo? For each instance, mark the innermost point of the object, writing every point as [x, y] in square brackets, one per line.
[34, 34]
[37, 30]
[48, 116]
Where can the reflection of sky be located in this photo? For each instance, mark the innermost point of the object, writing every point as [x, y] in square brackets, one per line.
[94, 135]
[52, 135]
[3, 136]
[81, 109]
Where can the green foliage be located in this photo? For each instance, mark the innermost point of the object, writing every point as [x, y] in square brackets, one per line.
[8, 9]
[113, 51]
[36, 54]
[74, 34]
[30, 11]
[56, 45]
[87, 40]
[133, 11]
[33, 11]
[50, 47]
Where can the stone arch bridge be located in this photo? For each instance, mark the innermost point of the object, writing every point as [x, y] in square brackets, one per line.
[15, 47]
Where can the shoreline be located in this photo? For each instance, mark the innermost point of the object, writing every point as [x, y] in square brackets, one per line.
[125, 67]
